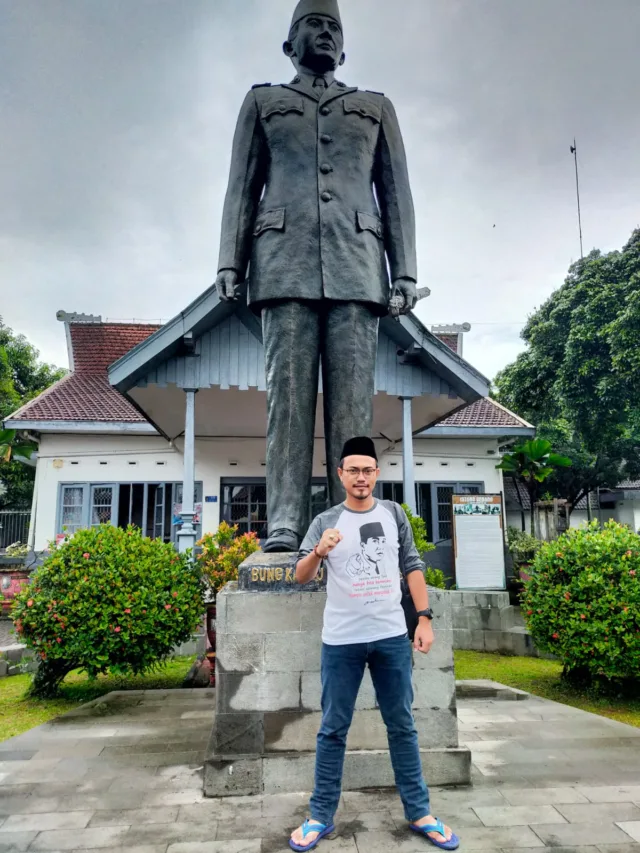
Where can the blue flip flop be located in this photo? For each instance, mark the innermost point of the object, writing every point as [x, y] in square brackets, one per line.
[452, 844]
[307, 828]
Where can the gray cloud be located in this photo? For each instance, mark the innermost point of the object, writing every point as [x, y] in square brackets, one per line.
[116, 122]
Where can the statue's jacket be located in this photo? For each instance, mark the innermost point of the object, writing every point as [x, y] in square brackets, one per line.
[318, 204]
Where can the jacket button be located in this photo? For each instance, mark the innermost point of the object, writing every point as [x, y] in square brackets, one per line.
[379, 230]
[326, 137]
[326, 196]
[324, 111]
[325, 168]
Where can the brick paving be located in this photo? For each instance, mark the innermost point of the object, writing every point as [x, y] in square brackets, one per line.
[124, 773]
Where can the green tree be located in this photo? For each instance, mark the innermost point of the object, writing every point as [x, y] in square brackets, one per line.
[532, 462]
[22, 377]
[579, 378]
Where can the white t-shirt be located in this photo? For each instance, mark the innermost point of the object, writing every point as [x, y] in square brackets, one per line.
[363, 572]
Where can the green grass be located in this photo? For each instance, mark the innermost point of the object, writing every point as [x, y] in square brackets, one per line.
[18, 712]
[542, 678]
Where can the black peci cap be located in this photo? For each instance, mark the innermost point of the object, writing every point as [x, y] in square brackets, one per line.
[360, 446]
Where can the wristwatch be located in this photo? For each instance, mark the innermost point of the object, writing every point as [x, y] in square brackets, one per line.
[428, 613]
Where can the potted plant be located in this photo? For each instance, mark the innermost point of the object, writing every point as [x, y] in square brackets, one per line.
[219, 557]
[13, 574]
[523, 548]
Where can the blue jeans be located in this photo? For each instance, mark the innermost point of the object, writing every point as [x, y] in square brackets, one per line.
[390, 662]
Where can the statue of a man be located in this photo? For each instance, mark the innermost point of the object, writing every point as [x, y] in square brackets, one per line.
[319, 209]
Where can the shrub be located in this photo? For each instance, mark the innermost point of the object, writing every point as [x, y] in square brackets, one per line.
[17, 550]
[433, 577]
[222, 553]
[107, 600]
[522, 546]
[582, 602]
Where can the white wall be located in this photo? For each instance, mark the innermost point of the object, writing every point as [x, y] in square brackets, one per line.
[81, 458]
[578, 518]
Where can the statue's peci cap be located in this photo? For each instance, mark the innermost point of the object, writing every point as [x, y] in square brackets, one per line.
[359, 446]
[316, 7]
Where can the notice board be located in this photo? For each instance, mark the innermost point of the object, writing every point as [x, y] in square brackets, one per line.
[478, 541]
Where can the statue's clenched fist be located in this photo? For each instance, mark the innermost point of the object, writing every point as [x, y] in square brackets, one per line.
[226, 285]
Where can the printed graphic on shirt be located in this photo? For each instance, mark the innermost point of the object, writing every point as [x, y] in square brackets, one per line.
[368, 562]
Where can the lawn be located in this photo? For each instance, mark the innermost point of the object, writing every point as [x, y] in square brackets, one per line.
[542, 677]
[19, 713]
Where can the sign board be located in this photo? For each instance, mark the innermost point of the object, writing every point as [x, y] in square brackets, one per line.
[478, 541]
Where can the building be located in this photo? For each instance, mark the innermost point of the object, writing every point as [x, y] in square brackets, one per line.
[147, 408]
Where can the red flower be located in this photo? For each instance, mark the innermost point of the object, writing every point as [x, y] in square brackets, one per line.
[86, 555]
[582, 616]
[58, 640]
[175, 594]
[117, 629]
[632, 573]
[529, 612]
[167, 607]
[30, 602]
[567, 596]
[127, 610]
[556, 636]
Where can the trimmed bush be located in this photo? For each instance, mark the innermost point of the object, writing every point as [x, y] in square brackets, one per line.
[222, 553]
[107, 600]
[582, 603]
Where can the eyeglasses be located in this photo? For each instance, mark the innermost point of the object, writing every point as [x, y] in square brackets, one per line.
[355, 472]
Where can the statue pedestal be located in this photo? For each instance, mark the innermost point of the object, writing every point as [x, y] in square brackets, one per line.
[268, 693]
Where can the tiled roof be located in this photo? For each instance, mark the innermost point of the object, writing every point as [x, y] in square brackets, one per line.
[85, 394]
[512, 502]
[97, 345]
[484, 413]
[450, 340]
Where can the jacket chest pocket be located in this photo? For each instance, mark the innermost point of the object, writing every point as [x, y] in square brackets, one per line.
[281, 107]
[365, 110]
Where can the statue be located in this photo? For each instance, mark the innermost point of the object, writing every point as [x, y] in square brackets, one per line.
[319, 209]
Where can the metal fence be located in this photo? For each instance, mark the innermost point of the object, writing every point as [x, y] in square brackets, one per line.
[14, 526]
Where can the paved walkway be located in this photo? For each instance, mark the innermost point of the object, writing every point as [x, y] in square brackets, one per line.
[125, 775]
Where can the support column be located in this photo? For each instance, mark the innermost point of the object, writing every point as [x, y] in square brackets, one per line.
[187, 532]
[408, 477]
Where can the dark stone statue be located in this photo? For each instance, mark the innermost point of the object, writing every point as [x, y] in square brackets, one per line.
[319, 210]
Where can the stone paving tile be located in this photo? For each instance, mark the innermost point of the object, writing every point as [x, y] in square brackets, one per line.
[542, 796]
[242, 846]
[104, 801]
[484, 838]
[275, 827]
[518, 815]
[618, 848]
[217, 811]
[170, 833]
[133, 817]
[612, 794]
[631, 827]
[330, 844]
[606, 812]
[72, 839]
[46, 820]
[567, 850]
[11, 842]
[578, 834]
[138, 848]
[173, 798]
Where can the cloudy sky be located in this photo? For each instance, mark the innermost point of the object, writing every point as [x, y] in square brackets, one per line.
[116, 121]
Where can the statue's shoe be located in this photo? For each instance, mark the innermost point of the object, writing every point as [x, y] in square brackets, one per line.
[282, 541]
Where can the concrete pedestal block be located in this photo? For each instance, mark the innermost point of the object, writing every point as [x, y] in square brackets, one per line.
[268, 694]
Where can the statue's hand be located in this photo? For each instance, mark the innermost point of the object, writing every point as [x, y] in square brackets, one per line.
[404, 288]
[226, 284]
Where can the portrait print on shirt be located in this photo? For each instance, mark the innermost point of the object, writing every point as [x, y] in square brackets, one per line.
[368, 561]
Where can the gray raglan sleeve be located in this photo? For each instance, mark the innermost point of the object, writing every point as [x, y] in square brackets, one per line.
[314, 534]
[319, 524]
[409, 557]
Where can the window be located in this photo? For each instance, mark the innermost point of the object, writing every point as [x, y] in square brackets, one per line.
[245, 504]
[153, 507]
[71, 505]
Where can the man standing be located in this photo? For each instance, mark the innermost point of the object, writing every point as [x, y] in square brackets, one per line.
[364, 625]
[320, 209]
